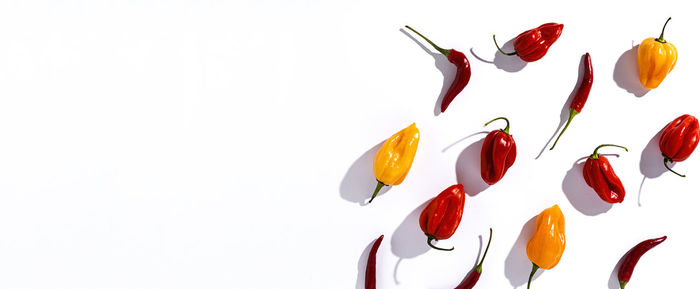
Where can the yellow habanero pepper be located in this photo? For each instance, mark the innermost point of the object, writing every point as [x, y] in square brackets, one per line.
[547, 243]
[656, 59]
[394, 158]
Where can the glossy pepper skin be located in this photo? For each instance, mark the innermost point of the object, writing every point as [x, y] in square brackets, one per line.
[679, 139]
[547, 243]
[394, 159]
[600, 176]
[533, 44]
[475, 274]
[656, 58]
[371, 270]
[464, 71]
[581, 95]
[497, 153]
[630, 260]
[440, 219]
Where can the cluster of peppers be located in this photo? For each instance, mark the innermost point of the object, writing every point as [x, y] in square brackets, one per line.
[442, 215]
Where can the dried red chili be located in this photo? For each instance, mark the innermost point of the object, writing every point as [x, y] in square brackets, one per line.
[475, 274]
[679, 139]
[624, 273]
[440, 219]
[371, 270]
[581, 95]
[497, 153]
[464, 71]
[600, 176]
[533, 44]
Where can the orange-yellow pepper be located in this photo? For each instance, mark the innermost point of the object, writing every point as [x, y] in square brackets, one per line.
[547, 243]
[656, 58]
[395, 157]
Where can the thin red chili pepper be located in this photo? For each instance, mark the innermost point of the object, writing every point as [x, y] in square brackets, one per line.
[630, 260]
[497, 153]
[371, 271]
[533, 44]
[474, 275]
[600, 176]
[679, 139]
[440, 219]
[581, 95]
[464, 71]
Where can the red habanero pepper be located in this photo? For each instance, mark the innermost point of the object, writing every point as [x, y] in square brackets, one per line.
[497, 153]
[600, 176]
[630, 260]
[533, 44]
[474, 275]
[371, 271]
[440, 219]
[679, 139]
[464, 71]
[581, 95]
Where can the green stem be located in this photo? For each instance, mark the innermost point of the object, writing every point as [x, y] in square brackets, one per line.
[431, 238]
[666, 161]
[661, 38]
[534, 269]
[572, 113]
[478, 267]
[499, 47]
[445, 52]
[622, 284]
[595, 154]
[376, 190]
[503, 118]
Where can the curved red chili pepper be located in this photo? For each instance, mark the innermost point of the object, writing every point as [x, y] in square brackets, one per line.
[475, 274]
[679, 139]
[600, 176]
[440, 219]
[533, 44]
[497, 153]
[371, 271]
[464, 71]
[630, 260]
[581, 95]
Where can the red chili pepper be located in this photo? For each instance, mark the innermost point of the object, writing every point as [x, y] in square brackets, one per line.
[630, 260]
[440, 219]
[581, 95]
[371, 271]
[497, 154]
[464, 71]
[679, 139]
[474, 275]
[600, 176]
[533, 44]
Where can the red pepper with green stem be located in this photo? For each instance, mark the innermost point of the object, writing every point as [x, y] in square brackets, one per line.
[371, 270]
[440, 219]
[600, 176]
[581, 95]
[624, 273]
[497, 153]
[464, 71]
[474, 275]
[533, 44]
[679, 139]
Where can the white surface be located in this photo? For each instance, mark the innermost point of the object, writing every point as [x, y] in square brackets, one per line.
[228, 144]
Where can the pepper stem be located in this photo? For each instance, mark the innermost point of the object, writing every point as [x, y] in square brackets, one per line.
[499, 48]
[622, 284]
[431, 238]
[595, 154]
[503, 118]
[661, 38]
[376, 190]
[438, 48]
[478, 267]
[534, 269]
[572, 113]
[666, 161]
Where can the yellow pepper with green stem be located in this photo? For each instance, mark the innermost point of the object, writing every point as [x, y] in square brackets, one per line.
[548, 242]
[656, 58]
[395, 157]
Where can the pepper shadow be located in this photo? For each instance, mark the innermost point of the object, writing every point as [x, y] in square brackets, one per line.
[476, 262]
[613, 282]
[517, 265]
[464, 138]
[359, 181]
[651, 164]
[448, 70]
[468, 169]
[580, 195]
[508, 63]
[626, 73]
[564, 113]
[408, 240]
[362, 266]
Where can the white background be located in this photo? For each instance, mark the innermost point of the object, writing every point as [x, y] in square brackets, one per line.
[229, 144]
